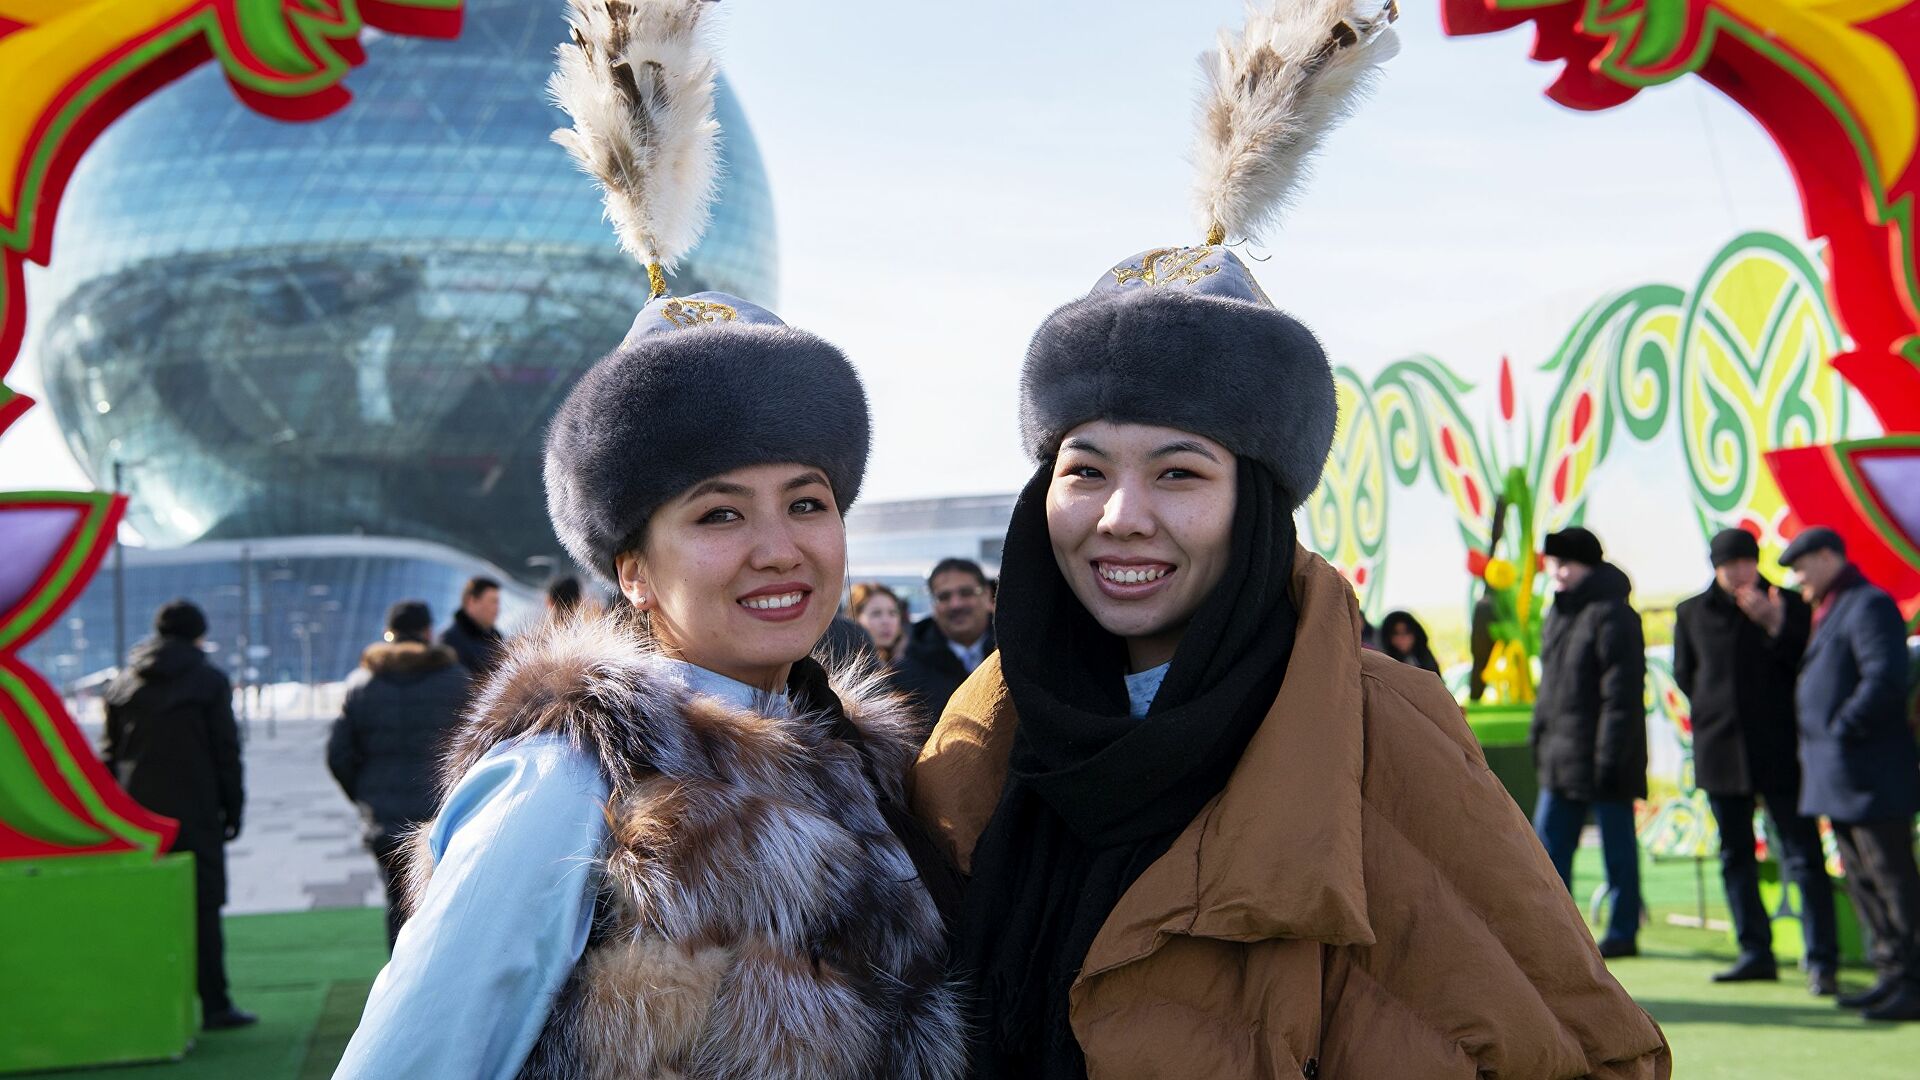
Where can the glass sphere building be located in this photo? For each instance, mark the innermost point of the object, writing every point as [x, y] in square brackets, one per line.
[360, 325]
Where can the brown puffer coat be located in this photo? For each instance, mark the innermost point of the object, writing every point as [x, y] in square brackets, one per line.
[1362, 901]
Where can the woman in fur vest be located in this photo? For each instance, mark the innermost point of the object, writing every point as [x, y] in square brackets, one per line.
[1209, 835]
[672, 844]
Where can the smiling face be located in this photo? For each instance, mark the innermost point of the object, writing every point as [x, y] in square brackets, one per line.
[740, 572]
[1141, 519]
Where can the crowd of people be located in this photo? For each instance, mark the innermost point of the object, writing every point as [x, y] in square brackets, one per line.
[1142, 806]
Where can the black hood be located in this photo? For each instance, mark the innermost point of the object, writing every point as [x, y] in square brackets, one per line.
[1607, 582]
[162, 659]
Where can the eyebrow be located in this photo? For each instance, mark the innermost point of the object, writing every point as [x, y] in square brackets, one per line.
[741, 491]
[1186, 446]
[1086, 447]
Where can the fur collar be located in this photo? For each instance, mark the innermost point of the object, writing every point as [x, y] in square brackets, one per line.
[600, 682]
[757, 918]
[406, 658]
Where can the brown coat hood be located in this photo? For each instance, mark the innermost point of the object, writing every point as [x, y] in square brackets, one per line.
[1363, 895]
[406, 657]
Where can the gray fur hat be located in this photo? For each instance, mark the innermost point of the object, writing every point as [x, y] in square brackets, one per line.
[703, 384]
[1184, 338]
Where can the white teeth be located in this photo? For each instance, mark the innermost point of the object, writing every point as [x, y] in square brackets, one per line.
[1134, 577]
[774, 603]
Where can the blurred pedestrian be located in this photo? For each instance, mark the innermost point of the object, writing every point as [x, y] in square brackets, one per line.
[1736, 652]
[1403, 638]
[472, 635]
[1589, 732]
[878, 609]
[564, 597]
[400, 705]
[1862, 770]
[944, 648]
[172, 743]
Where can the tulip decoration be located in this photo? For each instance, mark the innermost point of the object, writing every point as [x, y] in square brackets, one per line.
[1511, 591]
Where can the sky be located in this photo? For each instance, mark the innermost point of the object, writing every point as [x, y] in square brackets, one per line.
[944, 176]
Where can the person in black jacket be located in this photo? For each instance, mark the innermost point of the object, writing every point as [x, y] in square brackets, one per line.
[472, 635]
[1589, 733]
[1861, 768]
[400, 705]
[1736, 650]
[944, 648]
[172, 743]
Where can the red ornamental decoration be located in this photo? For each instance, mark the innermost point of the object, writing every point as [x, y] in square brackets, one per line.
[67, 70]
[1834, 84]
[1506, 389]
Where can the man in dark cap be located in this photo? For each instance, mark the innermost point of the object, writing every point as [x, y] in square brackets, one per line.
[172, 743]
[400, 705]
[1862, 770]
[1589, 734]
[1736, 651]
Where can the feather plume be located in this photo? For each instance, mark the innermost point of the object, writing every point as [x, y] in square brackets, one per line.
[639, 85]
[1272, 92]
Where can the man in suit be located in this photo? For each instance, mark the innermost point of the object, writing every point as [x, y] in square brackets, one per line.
[1736, 654]
[1861, 767]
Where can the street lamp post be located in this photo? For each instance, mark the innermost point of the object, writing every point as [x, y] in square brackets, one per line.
[119, 585]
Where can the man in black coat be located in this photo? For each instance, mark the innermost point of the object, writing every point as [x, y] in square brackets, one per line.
[1736, 651]
[172, 743]
[1589, 734]
[942, 650]
[400, 706]
[1861, 767]
[472, 635]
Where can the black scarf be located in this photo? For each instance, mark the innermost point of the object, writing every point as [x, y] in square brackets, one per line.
[1093, 796]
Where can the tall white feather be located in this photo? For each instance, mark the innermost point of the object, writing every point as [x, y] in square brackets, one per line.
[639, 85]
[1272, 93]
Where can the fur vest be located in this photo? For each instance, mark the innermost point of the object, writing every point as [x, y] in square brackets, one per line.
[756, 918]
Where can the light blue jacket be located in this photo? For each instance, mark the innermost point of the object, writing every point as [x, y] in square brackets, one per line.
[505, 917]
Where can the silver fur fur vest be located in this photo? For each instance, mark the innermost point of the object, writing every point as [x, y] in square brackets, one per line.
[756, 919]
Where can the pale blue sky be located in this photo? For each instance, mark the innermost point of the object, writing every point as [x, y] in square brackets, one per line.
[945, 175]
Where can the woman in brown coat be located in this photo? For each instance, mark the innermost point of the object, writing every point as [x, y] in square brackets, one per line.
[1208, 836]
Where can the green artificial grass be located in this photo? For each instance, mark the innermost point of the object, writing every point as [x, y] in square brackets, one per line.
[307, 975]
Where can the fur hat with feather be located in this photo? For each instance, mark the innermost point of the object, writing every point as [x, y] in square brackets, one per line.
[1184, 337]
[702, 384]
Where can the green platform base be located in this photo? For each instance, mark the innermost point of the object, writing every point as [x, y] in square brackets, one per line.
[1502, 732]
[97, 955]
[1784, 902]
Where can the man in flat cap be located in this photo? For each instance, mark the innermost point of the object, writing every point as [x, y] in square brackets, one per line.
[1736, 653]
[1862, 769]
[1589, 733]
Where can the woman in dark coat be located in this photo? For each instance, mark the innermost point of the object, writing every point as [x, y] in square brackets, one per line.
[1403, 638]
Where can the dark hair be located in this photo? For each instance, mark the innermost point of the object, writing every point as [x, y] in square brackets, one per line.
[863, 593]
[954, 564]
[410, 619]
[477, 586]
[564, 594]
[180, 619]
[1420, 655]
